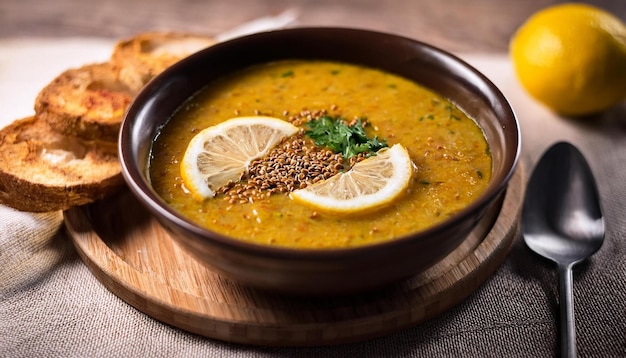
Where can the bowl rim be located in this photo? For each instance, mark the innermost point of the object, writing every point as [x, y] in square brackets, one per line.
[138, 181]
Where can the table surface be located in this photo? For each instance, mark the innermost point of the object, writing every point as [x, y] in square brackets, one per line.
[515, 313]
[454, 25]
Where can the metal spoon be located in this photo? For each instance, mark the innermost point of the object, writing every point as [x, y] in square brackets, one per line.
[562, 221]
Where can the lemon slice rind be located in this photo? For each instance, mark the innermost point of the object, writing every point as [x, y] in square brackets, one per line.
[371, 184]
[221, 153]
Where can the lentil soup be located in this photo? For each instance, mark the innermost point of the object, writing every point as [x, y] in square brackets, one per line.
[448, 148]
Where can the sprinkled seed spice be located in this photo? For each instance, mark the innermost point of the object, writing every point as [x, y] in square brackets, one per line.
[306, 115]
[301, 118]
[294, 164]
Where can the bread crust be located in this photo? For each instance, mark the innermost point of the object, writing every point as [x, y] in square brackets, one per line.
[66, 154]
[41, 170]
[142, 57]
[87, 102]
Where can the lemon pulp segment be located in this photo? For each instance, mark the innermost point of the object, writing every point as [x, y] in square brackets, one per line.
[369, 184]
[222, 153]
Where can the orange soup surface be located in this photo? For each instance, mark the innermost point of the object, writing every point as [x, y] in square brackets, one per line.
[449, 149]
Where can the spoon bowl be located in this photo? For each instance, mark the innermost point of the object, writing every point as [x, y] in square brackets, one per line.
[562, 221]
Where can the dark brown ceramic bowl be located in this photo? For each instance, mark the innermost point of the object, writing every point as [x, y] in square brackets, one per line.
[322, 271]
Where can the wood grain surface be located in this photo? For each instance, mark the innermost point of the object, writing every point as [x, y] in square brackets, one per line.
[130, 253]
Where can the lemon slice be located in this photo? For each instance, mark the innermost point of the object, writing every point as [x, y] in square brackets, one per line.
[221, 153]
[370, 184]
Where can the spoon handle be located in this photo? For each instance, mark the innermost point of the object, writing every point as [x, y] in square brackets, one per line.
[568, 333]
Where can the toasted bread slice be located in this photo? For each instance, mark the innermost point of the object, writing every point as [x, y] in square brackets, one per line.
[87, 102]
[145, 55]
[41, 170]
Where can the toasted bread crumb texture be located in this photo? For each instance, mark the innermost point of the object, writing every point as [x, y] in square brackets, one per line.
[89, 101]
[144, 56]
[66, 154]
[43, 169]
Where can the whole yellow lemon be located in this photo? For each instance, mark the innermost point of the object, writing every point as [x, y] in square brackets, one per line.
[572, 58]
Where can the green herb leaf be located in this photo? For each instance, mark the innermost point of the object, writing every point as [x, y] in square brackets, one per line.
[335, 134]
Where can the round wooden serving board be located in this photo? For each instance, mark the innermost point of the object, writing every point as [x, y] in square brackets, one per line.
[130, 253]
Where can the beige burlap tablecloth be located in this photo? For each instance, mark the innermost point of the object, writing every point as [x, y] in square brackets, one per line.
[51, 305]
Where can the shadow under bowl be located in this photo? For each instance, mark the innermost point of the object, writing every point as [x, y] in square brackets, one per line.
[334, 271]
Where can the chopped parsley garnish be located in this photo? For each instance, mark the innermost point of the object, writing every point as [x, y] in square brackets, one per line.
[287, 74]
[450, 109]
[349, 140]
